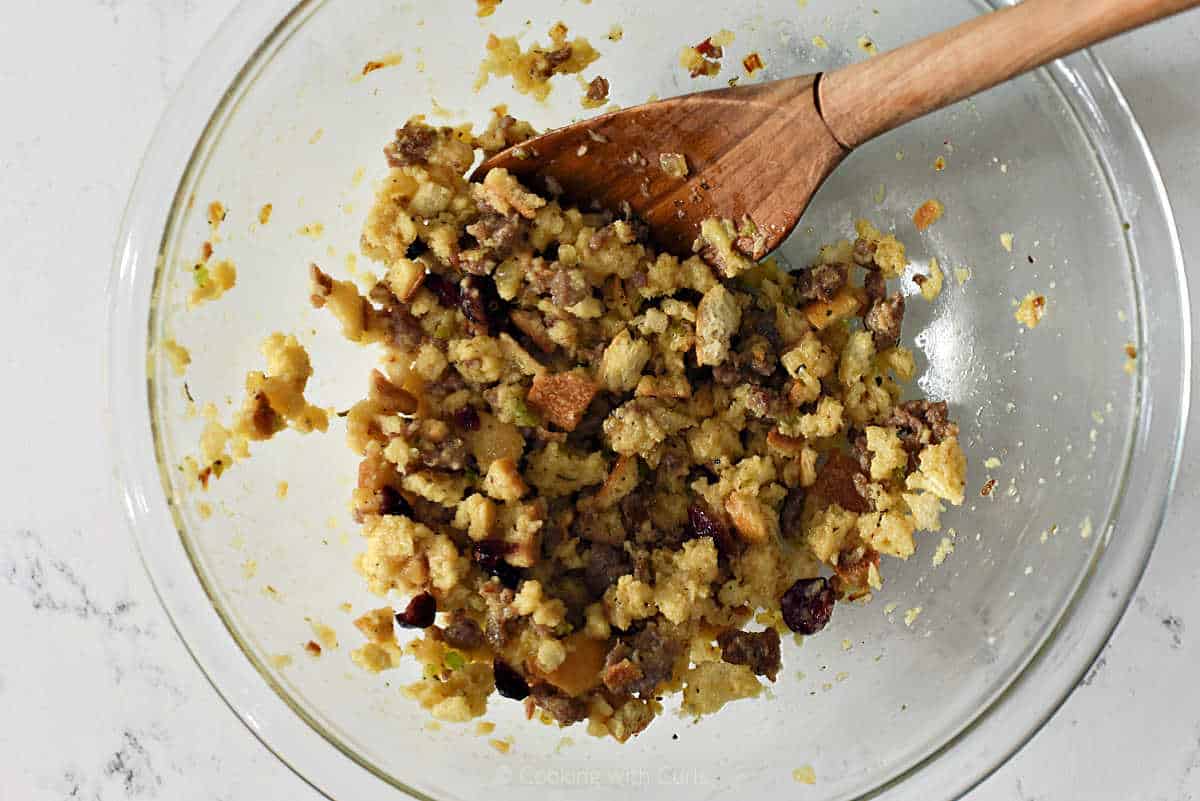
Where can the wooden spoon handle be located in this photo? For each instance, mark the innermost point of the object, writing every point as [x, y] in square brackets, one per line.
[872, 97]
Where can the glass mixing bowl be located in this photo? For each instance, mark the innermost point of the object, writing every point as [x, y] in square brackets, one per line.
[278, 111]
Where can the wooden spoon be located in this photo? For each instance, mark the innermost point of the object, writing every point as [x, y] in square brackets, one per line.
[757, 154]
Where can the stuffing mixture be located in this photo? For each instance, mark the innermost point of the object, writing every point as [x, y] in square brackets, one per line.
[589, 468]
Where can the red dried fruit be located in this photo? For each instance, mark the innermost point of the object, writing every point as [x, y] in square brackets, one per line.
[466, 418]
[415, 249]
[807, 605]
[489, 555]
[703, 523]
[481, 305]
[709, 50]
[445, 290]
[509, 683]
[392, 502]
[792, 512]
[419, 614]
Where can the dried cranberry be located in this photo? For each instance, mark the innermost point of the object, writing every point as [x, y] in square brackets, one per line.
[807, 605]
[509, 683]
[481, 304]
[466, 418]
[710, 50]
[415, 249]
[703, 523]
[392, 502]
[489, 555]
[792, 512]
[419, 613]
[445, 289]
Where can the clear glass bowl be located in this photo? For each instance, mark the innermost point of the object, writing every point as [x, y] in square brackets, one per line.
[277, 111]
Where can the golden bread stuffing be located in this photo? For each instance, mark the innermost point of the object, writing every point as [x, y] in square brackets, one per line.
[587, 465]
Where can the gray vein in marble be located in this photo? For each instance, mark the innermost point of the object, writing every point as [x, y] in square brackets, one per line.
[54, 586]
[1172, 623]
[131, 765]
[128, 773]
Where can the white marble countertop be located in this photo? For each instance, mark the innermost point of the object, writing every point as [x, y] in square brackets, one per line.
[99, 700]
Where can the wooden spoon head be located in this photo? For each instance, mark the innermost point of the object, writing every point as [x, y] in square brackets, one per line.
[753, 153]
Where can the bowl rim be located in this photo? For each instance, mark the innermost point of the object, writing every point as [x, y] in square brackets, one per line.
[209, 91]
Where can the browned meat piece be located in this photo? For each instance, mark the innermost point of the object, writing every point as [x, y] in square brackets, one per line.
[462, 632]
[562, 707]
[758, 356]
[883, 320]
[496, 231]
[568, 287]
[598, 89]
[757, 322]
[603, 565]
[634, 508]
[727, 374]
[875, 285]
[428, 513]
[864, 253]
[758, 651]
[821, 281]
[436, 445]
[841, 481]
[539, 272]
[858, 449]
[449, 454]
[405, 330]
[558, 56]
[411, 145]
[637, 665]
[920, 423]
